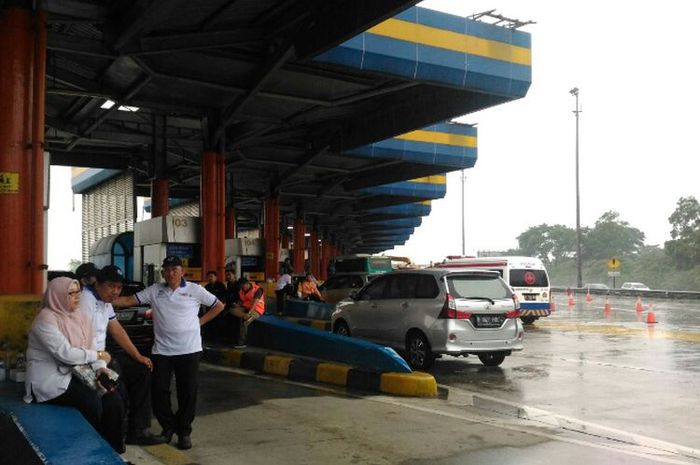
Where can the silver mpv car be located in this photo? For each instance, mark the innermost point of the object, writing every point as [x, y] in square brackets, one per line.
[435, 311]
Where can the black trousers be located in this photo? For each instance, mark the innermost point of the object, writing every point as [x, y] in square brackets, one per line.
[186, 371]
[135, 389]
[280, 295]
[105, 414]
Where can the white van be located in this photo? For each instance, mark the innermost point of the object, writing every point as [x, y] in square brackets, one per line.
[526, 275]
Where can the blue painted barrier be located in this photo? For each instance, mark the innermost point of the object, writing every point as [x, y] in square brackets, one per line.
[308, 309]
[61, 434]
[274, 333]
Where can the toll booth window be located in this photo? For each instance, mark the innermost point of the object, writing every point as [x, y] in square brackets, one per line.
[528, 278]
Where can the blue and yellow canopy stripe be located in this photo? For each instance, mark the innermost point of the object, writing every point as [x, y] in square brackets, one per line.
[398, 223]
[406, 210]
[452, 145]
[426, 45]
[428, 187]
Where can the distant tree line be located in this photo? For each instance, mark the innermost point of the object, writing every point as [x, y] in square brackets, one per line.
[613, 237]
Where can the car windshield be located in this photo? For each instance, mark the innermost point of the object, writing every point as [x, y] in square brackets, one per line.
[477, 287]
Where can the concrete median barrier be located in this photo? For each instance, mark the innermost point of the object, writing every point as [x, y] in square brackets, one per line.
[276, 334]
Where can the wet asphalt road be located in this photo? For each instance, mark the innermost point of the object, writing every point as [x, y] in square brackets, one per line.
[590, 387]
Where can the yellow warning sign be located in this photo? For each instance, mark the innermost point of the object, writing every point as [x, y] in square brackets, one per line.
[9, 183]
[614, 264]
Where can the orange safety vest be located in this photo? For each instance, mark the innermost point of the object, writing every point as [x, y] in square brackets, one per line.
[247, 299]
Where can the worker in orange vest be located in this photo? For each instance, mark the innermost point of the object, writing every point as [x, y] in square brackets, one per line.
[309, 290]
[251, 307]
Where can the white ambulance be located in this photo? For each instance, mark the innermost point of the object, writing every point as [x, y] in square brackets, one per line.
[527, 277]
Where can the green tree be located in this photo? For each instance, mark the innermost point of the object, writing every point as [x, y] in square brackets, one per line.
[684, 246]
[611, 237]
[547, 242]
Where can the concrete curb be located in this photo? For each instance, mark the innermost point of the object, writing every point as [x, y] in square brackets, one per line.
[323, 325]
[414, 384]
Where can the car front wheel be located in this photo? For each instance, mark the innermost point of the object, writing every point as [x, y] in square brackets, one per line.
[492, 359]
[341, 328]
[418, 351]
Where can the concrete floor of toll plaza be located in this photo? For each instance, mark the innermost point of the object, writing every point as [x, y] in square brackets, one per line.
[591, 386]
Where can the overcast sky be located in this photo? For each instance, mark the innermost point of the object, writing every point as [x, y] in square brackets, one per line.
[635, 63]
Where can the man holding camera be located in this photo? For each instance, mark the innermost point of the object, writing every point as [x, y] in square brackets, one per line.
[133, 367]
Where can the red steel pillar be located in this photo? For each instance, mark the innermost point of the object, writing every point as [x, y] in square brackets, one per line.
[22, 97]
[213, 212]
[160, 193]
[285, 240]
[272, 237]
[299, 245]
[314, 254]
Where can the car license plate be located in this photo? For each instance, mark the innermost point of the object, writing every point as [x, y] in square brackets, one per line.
[489, 321]
[530, 296]
[125, 316]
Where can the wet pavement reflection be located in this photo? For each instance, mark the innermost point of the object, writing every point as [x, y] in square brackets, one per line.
[609, 368]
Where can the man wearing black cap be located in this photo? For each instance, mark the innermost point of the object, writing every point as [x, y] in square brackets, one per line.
[178, 345]
[86, 274]
[134, 368]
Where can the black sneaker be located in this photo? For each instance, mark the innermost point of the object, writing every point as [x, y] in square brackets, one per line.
[167, 435]
[144, 438]
[184, 442]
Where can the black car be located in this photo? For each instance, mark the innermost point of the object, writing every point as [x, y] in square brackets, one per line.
[136, 321]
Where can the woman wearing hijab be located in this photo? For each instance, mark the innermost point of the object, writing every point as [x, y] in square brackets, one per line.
[62, 337]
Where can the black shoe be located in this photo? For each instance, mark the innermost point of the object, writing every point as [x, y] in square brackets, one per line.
[184, 442]
[144, 438]
[167, 435]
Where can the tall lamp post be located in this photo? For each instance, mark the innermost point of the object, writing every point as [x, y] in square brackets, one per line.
[462, 178]
[579, 280]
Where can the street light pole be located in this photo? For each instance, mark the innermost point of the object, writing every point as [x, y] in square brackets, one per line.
[463, 248]
[579, 279]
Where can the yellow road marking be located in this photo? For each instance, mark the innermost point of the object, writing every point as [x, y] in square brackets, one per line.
[168, 454]
[649, 331]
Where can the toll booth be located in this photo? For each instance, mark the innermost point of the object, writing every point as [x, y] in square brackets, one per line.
[166, 236]
[117, 249]
[245, 255]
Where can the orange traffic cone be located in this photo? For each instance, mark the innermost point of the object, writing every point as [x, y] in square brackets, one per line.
[589, 299]
[651, 318]
[552, 305]
[571, 301]
[639, 307]
[607, 307]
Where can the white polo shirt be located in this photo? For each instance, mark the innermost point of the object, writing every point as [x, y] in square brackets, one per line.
[99, 311]
[176, 316]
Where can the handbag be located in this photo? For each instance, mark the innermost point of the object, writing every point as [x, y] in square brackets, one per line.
[87, 375]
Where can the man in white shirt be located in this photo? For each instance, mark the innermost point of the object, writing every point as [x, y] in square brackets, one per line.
[283, 281]
[133, 367]
[178, 345]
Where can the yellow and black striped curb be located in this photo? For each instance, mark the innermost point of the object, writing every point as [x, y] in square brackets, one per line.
[323, 325]
[416, 384]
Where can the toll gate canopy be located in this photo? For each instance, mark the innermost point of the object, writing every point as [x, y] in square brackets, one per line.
[339, 108]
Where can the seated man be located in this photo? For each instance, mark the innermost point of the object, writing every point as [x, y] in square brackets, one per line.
[133, 367]
[250, 308]
[309, 290]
